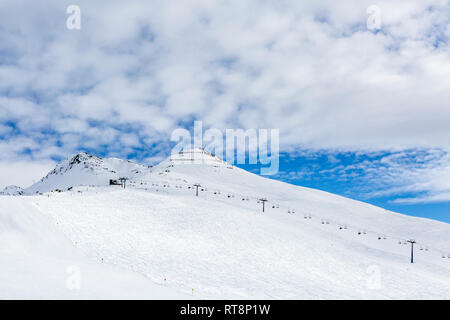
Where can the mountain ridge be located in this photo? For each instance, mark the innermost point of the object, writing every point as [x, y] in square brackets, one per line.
[199, 223]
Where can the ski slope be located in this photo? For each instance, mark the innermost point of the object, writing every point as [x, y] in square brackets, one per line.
[39, 262]
[167, 242]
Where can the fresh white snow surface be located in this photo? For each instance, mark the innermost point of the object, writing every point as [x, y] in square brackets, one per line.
[39, 262]
[156, 239]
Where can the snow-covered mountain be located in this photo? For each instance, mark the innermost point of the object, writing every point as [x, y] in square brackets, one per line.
[85, 169]
[219, 244]
[12, 191]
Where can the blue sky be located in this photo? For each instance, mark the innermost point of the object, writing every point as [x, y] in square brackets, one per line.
[376, 178]
[361, 112]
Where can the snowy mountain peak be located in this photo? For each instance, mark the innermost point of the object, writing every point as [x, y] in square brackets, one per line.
[83, 157]
[197, 156]
[85, 169]
[12, 191]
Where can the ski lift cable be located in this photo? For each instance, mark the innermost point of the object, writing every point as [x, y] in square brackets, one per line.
[329, 221]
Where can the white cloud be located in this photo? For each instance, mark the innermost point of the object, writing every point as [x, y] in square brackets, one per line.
[23, 173]
[309, 68]
[423, 173]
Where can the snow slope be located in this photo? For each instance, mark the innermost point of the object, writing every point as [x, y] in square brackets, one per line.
[307, 244]
[85, 169]
[39, 262]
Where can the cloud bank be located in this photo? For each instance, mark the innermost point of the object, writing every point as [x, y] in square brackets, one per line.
[134, 72]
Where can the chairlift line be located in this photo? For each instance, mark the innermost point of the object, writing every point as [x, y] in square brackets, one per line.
[381, 236]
